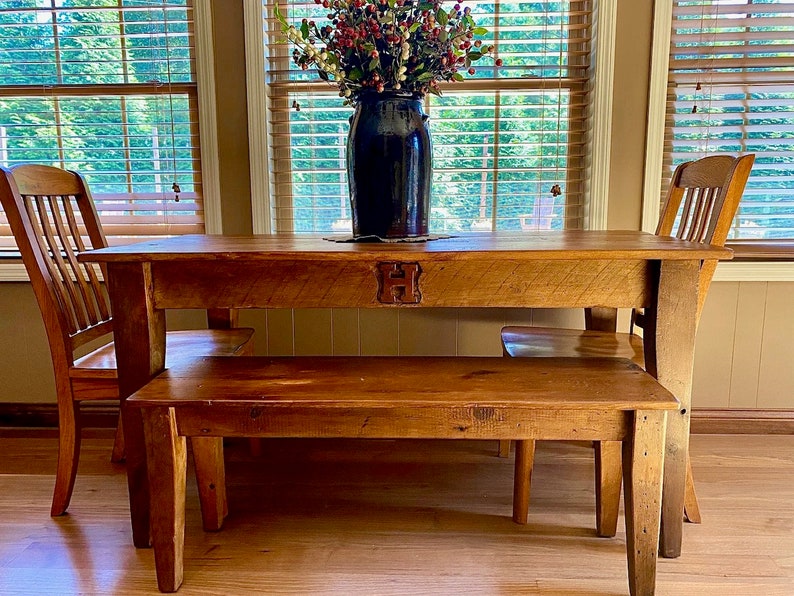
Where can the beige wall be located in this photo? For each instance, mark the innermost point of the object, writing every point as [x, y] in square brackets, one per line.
[232, 116]
[745, 343]
[629, 113]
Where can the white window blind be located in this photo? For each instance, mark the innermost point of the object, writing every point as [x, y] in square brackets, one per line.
[108, 88]
[502, 138]
[731, 90]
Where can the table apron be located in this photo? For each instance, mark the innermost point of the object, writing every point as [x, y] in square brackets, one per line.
[355, 283]
[403, 422]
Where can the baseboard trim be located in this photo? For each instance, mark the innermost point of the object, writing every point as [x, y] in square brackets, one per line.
[705, 421]
[26, 415]
[742, 422]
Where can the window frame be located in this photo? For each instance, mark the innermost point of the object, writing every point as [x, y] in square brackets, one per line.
[596, 192]
[12, 270]
[751, 269]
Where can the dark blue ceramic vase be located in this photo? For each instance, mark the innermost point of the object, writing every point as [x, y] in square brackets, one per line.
[389, 166]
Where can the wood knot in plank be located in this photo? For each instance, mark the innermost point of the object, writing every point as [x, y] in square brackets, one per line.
[483, 413]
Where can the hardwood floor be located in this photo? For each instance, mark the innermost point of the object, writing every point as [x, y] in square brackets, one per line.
[389, 517]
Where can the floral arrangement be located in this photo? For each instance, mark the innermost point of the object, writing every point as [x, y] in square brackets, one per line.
[407, 46]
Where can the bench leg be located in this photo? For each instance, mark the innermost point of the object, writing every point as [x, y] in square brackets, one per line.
[525, 458]
[167, 462]
[211, 480]
[608, 477]
[643, 464]
[504, 448]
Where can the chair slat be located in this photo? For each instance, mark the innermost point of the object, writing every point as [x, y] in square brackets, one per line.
[686, 212]
[60, 205]
[697, 215]
[709, 200]
[100, 299]
[49, 248]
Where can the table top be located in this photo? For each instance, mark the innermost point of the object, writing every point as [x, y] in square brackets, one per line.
[549, 245]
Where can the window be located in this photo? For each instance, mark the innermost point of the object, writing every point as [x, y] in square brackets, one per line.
[731, 90]
[108, 88]
[502, 138]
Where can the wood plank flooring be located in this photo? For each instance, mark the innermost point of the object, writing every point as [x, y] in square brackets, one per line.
[397, 517]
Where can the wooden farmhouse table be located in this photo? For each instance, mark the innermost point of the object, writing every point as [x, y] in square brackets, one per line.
[552, 269]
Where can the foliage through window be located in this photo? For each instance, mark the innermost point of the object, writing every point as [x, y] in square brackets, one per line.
[108, 88]
[502, 138]
[731, 90]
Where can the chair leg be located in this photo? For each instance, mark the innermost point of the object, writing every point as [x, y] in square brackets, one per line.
[118, 454]
[525, 458]
[68, 455]
[608, 478]
[691, 507]
[504, 448]
[211, 480]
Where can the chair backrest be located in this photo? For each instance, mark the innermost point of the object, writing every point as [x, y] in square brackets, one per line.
[53, 217]
[702, 200]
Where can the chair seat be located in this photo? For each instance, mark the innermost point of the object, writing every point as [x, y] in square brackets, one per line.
[180, 346]
[569, 343]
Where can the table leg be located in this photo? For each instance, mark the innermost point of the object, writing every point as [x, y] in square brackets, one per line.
[601, 319]
[643, 463]
[167, 455]
[140, 354]
[669, 357]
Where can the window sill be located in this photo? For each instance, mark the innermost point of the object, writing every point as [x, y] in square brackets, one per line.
[764, 250]
[11, 267]
[755, 260]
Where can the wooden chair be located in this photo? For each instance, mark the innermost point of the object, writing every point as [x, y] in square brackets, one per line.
[53, 217]
[700, 206]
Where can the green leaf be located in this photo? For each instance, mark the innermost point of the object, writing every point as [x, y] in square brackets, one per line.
[355, 74]
[425, 76]
[305, 31]
[441, 17]
[479, 31]
[373, 64]
[457, 76]
[414, 27]
[474, 55]
[443, 36]
[425, 6]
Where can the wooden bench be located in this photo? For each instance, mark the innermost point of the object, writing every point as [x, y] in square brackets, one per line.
[408, 397]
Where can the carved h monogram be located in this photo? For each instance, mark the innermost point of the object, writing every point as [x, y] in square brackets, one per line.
[398, 283]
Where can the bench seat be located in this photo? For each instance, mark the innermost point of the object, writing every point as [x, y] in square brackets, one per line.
[408, 397]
